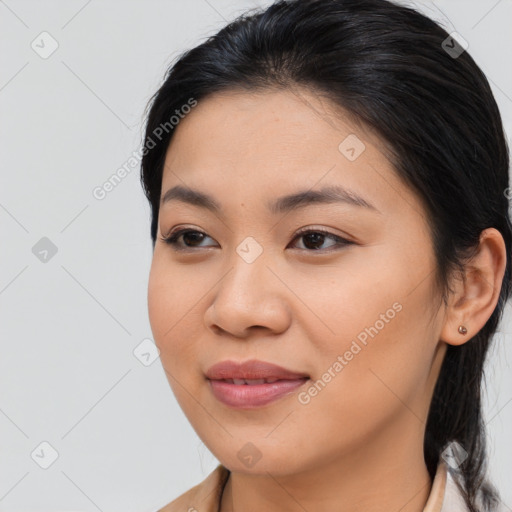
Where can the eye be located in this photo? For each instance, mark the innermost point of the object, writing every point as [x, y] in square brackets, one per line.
[189, 235]
[314, 239]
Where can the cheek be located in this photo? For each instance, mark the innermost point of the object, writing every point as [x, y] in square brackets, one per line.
[384, 380]
[380, 329]
[160, 299]
[385, 369]
[172, 315]
[174, 322]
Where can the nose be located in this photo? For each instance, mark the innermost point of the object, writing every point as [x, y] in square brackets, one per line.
[249, 297]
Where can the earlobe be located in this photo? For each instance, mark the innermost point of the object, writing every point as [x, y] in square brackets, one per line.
[475, 295]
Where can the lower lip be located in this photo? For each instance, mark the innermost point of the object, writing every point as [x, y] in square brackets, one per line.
[253, 395]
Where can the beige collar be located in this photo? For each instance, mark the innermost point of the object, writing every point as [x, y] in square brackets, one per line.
[206, 496]
[436, 496]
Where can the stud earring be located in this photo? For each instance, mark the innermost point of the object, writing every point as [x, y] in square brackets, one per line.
[462, 329]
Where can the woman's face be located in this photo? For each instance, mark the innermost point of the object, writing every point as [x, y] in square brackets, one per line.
[349, 313]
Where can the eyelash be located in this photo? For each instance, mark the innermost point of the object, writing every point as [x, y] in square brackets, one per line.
[172, 239]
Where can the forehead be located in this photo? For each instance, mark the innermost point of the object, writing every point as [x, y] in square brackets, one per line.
[240, 145]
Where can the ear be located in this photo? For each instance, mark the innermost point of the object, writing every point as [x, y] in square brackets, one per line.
[476, 294]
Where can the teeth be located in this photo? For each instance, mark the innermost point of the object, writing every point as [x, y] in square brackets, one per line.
[240, 382]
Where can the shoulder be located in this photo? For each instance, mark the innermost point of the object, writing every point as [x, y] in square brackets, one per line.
[204, 497]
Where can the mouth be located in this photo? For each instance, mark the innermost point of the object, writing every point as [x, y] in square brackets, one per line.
[251, 371]
[251, 396]
[239, 394]
[252, 383]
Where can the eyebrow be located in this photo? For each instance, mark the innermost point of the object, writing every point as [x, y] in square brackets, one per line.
[326, 195]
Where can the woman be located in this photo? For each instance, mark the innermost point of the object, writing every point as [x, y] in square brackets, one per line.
[328, 183]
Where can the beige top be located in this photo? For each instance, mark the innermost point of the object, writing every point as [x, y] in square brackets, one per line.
[205, 496]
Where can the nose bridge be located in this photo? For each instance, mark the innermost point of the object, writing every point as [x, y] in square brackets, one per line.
[249, 275]
[249, 250]
[248, 294]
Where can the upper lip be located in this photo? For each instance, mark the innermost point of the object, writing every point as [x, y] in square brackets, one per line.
[252, 369]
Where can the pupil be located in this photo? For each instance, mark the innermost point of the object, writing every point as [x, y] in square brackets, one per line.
[192, 234]
[316, 237]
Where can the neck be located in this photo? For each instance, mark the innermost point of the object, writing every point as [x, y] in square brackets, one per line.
[392, 476]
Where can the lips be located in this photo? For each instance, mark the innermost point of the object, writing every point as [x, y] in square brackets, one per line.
[253, 383]
[251, 372]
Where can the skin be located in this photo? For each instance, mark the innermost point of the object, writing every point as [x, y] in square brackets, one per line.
[358, 444]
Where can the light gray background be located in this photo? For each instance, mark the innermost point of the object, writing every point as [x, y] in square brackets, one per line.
[68, 327]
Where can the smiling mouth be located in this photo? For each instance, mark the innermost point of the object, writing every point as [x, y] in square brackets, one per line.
[252, 382]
